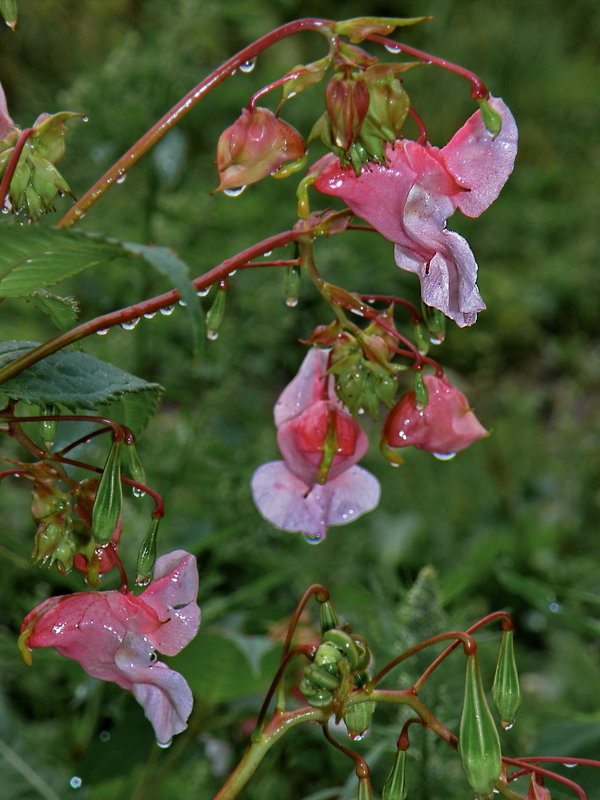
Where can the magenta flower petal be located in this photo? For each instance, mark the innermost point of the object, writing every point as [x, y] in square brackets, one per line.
[163, 693]
[6, 124]
[309, 384]
[292, 505]
[480, 162]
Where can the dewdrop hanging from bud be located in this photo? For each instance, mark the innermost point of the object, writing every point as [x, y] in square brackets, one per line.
[478, 741]
[136, 469]
[109, 497]
[215, 314]
[506, 692]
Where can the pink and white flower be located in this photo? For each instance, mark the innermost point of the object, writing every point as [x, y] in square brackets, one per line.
[409, 200]
[114, 635]
[318, 483]
[7, 126]
[443, 427]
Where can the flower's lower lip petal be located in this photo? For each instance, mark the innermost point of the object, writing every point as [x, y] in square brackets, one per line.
[352, 494]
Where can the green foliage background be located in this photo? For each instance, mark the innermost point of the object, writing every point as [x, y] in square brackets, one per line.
[510, 523]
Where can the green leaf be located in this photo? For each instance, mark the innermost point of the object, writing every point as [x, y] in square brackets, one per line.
[177, 271]
[63, 311]
[32, 258]
[77, 381]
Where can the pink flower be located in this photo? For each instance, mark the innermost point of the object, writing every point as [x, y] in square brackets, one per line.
[445, 426]
[409, 200]
[256, 145]
[7, 126]
[114, 636]
[318, 483]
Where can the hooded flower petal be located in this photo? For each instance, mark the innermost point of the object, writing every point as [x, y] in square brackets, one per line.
[445, 426]
[289, 503]
[113, 635]
[7, 126]
[409, 200]
[309, 384]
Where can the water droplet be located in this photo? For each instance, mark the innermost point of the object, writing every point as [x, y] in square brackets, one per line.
[122, 176]
[570, 766]
[104, 736]
[164, 745]
[248, 66]
[182, 303]
[232, 73]
[75, 782]
[357, 737]
[212, 335]
[234, 191]
[150, 315]
[267, 253]
[554, 608]
[85, 118]
[361, 410]
[129, 326]
[314, 538]
[143, 580]
[137, 492]
[393, 464]
[291, 302]
[436, 339]
[232, 273]
[5, 210]
[506, 726]
[167, 311]
[291, 94]
[102, 332]
[393, 48]
[444, 456]
[357, 311]
[203, 292]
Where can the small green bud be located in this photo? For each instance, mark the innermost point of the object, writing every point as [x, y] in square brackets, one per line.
[328, 616]
[506, 692]
[491, 118]
[436, 323]
[421, 393]
[478, 741]
[395, 784]
[421, 338]
[215, 314]
[358, 718]
[109, 497]
[147, 554]
[48, 427]
[8, 9]
[365, 790]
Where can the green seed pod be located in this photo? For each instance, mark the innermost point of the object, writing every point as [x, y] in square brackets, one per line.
[8, 9]
[478, 741]
[328, 616]
[109, 497]
[327, 655]
[395, 784]
[136, 470]
[322, 678]
[436, 323]
[292, 286]
[147, 554]
[343, 642]
[364, 654]
[315, 696]
[421, 338]
[365, 790]
[358, 718]
[215, 314]
[506, 692]
[491, 118]
[48, 427]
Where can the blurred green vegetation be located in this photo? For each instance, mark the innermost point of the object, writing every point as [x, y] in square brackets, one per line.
[510, 523]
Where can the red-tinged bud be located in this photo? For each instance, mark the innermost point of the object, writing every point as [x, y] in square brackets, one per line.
[255, 146]
[347, 103]
[389, 103]
[304, 75]
[358, 28]
[478, 741]
[536, 790]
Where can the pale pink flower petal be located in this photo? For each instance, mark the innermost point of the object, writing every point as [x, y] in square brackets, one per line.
[292, 505]
[163, 693]
[309, 384]
[6, 124]
[480, 162]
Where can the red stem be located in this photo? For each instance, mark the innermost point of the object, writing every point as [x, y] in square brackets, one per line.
[507, 624]
[12, 164]
[300, 649]
[386, 298]
[521, 762]
[269, 88]
[360, 765]
[422, 138]
[478, 89]
[314, 589]
[173, 116]
[120, 432]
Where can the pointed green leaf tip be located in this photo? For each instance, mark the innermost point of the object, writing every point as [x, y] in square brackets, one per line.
[395, 785]
[8, 9]
[109, 498]
[478, 741]
[506, 692]
[357, 29]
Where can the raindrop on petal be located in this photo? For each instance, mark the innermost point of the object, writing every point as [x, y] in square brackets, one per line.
[234, 191]
[357, 737]
[314, 538]
[444, 456]
[164, 745]
[212, 335]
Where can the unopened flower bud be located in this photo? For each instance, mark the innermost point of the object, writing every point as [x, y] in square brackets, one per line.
[328, 616]
[365, 790]
[109, 497]
[8, 9]
[358, 718]
[491, 118]
[420, 390]
[48, 427]
[536, 790]
[347, 103]
[215, 314]
[256, 145]
[389, 103]
[506, 692]
[435, 321]
[395, 784]
[478, 741]
[147, 554]
[135, 466]
[292, 286]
